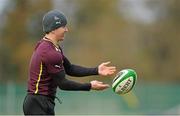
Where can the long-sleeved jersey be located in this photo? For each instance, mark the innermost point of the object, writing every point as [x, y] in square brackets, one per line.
[48, 67]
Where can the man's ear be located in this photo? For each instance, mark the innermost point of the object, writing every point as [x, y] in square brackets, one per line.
[53, 32]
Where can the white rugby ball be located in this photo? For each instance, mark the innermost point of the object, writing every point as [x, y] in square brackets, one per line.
[124, 81]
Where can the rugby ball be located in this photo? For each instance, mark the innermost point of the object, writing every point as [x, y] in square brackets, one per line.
[124, 81]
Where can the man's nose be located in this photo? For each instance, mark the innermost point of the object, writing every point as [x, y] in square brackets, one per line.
[66, 29]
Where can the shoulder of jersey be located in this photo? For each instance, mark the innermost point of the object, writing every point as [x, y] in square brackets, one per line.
[46, 45]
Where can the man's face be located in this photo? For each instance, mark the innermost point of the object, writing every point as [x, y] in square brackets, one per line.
[60, 33]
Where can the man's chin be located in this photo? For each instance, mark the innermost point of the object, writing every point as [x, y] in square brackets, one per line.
[61, 39]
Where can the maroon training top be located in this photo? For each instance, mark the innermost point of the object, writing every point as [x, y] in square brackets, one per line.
[46, 59]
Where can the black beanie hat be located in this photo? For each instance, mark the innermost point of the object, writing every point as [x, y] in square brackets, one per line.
[53, 20]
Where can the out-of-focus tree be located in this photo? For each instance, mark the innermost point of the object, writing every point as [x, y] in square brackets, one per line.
[23, 25]
[149, 49]
[160, 46]
[98, 33]
[97, 26]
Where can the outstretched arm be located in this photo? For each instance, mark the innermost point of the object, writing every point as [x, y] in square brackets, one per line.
[79, 71]
[65, 84]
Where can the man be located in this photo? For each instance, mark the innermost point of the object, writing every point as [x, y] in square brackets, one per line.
[49, 66]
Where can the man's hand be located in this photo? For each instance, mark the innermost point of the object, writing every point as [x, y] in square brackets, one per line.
[97, 85]
[105, 70]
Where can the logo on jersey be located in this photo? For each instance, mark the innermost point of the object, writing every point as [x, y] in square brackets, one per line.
[57, 66]
[58, 50]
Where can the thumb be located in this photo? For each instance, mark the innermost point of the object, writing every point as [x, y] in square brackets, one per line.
[106, 63]
[106, 85]
[99, 82]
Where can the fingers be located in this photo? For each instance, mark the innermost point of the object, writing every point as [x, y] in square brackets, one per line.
[102, 86]
[112, 68]
[106, 63]
[109, 67]
[106, 85]
[98, 85]
[99, 82]
[111, 72]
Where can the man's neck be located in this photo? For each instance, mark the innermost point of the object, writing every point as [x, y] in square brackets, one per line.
[51, 38]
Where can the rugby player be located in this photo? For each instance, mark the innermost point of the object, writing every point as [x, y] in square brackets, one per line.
[49, 66]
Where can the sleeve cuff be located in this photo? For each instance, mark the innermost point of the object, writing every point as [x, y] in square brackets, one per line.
[88, 86]
[96, 71]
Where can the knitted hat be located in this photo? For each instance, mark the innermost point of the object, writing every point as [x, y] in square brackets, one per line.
[53, 20]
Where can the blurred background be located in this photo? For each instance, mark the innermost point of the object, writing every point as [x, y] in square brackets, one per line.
[143, 35]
